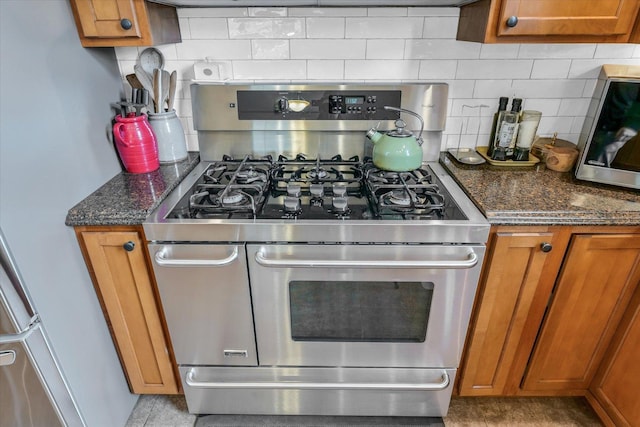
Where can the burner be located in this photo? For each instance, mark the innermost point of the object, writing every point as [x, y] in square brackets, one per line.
[249, 175]
[234, 198]
[399, 197]
[318, 173]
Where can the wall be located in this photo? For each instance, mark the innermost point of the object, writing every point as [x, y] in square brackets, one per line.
[391, 44]
[54, 109]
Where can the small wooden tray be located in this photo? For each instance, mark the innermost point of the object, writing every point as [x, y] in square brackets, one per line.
[508, 163]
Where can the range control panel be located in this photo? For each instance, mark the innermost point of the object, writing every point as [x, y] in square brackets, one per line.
[317, 105]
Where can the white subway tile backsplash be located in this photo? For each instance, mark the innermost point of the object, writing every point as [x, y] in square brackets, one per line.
[325, 28]
[208, 28]
[548, 88]
[328, 49]
[390, 70]
[440, 49]
[549, 51]
[387, 28]
[494, 69]
[434, 11]
[437, 69]
[574, 107]
[385, 49]
[499, 51]
[389, 44]
[493, 89]
[326, 70]
[260, 28]
[185, 31]
[269, 49]
[548, 107]
[550, 68]
[214, 49]
[614, 50]
[440, 27]
[270, 70]
[460, 88]
[127, 53]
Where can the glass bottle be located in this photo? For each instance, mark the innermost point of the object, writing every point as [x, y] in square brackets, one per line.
[497, 118]
[516, 106]
[506, 130]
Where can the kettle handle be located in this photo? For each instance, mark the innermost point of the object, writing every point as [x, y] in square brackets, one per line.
[118, 134]
[402, 110]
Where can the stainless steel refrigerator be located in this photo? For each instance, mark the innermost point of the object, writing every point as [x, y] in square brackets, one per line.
[33, 390]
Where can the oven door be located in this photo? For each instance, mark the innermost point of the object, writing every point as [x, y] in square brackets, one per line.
[362, 305]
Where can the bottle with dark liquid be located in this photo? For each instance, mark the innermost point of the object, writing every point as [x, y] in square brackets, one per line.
[506, 131]
[497, 118]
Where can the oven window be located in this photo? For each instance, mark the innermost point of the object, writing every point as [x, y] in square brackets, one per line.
[360, 311]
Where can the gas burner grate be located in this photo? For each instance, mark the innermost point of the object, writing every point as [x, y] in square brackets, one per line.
[231, 187]
[316, 171]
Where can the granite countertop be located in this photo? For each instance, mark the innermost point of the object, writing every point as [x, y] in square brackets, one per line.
[535, 195]
[128, 199]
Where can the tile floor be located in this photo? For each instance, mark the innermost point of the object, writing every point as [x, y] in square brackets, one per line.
[171, 411]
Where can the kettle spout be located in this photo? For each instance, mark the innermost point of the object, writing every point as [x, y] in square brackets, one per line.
[374, 135]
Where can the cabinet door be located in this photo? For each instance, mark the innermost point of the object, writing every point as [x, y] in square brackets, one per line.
[616, 383]
[596, 282]
[513, 294]
[104, 18]
[567, 17]
[122, 279]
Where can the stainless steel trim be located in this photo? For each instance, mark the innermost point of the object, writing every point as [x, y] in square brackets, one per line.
[292, 385]
[167, 262]
[472, 260]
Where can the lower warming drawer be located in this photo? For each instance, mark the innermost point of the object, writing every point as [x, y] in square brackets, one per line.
[318, 391]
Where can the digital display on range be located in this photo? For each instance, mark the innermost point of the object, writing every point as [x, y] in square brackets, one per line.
[353, 100]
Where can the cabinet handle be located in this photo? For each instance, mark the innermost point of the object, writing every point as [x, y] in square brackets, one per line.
[126, 24]
[546, 247]
[512, 21]
[129, 246]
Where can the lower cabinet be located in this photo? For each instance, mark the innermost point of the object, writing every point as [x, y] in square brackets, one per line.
[549, 304]
[614, 390]
[117, 261]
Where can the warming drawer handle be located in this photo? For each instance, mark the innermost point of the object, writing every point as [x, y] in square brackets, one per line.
[168, 262]
[291, 385]
[471, 261]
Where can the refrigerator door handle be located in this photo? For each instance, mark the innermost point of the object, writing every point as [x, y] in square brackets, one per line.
[7, 357]
[21, 337]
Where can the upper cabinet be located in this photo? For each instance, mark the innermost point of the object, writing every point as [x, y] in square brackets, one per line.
[549, 21]
[103, 23]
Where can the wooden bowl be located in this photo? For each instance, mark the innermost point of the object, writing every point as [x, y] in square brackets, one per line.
[561, 159]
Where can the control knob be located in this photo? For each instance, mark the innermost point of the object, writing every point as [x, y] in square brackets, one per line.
[291, 204]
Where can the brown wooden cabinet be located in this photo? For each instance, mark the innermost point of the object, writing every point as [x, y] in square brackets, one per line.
[118, 264]
[598, 277]
[613, 392]
[516, 283]
[549, 21]
[125, 23]
[544, 320]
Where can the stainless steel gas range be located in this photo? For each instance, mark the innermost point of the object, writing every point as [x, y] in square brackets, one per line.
[298, 278]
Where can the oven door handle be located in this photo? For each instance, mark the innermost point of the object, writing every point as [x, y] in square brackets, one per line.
[292, 385]
[169, 262]
[470, 261]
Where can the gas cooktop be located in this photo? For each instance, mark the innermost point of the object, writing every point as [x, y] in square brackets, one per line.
[314, 188]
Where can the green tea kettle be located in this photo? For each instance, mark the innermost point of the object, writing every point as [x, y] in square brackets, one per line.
[398, 150]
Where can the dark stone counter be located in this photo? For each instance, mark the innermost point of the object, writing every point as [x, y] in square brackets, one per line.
[128, 199]
[535, 195]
